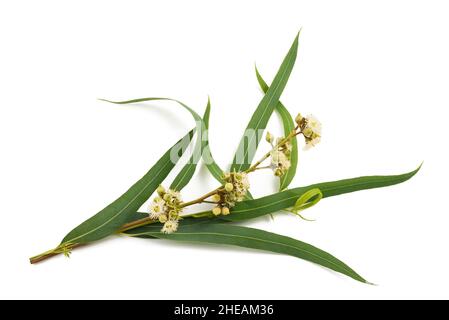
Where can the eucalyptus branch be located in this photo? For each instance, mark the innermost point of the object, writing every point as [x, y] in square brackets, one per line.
[166, 208]
[67, 248]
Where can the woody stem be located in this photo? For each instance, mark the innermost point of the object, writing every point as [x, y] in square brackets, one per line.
[52, 253]
[126, 227]
[202, 198]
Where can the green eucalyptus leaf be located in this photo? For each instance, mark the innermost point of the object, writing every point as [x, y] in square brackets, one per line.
[157, 226]
[249, 142]
[187, 172]
[279, 201]
[208, 159]
[250, 209]
[111, 218]
[289, 125]
[136, 216]
[226, 234]
[307, 200]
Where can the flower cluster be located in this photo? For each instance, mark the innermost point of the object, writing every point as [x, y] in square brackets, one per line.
[310, 128]
[166, 208]
[235, 189]
[280, 155]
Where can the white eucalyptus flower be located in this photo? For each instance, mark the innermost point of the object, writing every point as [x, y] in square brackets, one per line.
[157, 207]
[236, 188]
[173, 196]
[280, 163]
[312, 143]
[314, 125]
[170, 226]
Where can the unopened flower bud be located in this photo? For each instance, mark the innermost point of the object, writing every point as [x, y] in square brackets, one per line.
[162, 218]
[278, 172]
[225, 211]
[298, 119]
[269, 137]
[160, 190]
[173, 214]
[216, 211]
[216, 198]
[229, 187]
[307, 132]
[167, 197]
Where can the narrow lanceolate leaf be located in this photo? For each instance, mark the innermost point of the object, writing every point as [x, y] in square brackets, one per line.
[156, 227]
[201, 147]
[251, 238]
[250, 140]
[279, 201]
[208, 159]
[186, 173]
[111, 218]
[136, 216]
[307, 200]
[288, 125]
[143, 232]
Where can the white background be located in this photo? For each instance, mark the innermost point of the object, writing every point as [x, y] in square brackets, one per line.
[374, 72]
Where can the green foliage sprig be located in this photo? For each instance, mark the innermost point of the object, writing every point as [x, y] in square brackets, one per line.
[230, 201]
